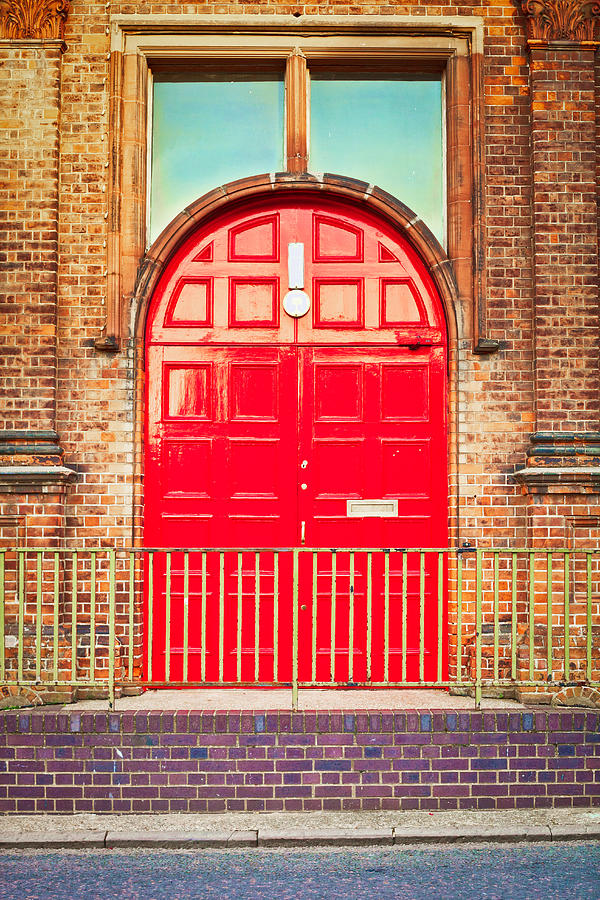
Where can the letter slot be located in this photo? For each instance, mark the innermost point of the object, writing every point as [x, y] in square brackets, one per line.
[362, 509]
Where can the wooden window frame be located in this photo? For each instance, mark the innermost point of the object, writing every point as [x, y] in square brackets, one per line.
[450, 46]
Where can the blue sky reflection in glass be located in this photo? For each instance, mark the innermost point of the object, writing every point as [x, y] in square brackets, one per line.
[209, 132]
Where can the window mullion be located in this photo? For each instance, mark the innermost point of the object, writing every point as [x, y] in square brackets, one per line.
[296, 117]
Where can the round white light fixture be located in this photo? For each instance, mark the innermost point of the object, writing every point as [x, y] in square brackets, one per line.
[296, 303]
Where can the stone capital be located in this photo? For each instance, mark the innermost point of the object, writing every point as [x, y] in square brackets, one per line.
[570, 21]
[33, 19]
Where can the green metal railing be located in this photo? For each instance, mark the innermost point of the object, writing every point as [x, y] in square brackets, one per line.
[466, 619]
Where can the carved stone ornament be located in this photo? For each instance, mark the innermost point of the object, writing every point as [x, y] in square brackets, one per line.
[562, 20]
[36, 19]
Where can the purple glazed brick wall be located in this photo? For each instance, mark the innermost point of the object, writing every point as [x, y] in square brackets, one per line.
[216, 761]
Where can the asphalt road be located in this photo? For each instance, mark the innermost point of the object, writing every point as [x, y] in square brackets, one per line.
[485, 872]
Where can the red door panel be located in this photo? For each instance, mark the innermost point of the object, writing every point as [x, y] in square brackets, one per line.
[262, 429]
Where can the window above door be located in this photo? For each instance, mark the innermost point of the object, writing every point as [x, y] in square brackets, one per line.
[339, 55]
[214, 122]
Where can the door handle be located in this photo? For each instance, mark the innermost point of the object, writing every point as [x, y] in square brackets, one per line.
[302, 532]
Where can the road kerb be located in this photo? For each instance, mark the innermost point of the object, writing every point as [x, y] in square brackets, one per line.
[53, 840]
[575, 832]
[293, 837]
[247, 838]
[325, 837]
[472, 835]
[173, 840]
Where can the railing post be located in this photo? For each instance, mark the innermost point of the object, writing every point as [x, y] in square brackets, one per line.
[21, 622]
[478, 635]
[2, 621]
[295, 631]
[588, 619]
[111, 629]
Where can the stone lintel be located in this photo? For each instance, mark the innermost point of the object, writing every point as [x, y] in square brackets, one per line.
[30, 448]
[559, 449]
[559, 479]
[34, 479]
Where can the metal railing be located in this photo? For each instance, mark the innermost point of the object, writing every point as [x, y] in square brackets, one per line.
[107, 620]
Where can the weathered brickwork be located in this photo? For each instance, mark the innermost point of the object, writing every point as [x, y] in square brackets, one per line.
[95, 417]
[29, 158]
[496, 393]
[565, 216]
[215, 762]
[540, 171]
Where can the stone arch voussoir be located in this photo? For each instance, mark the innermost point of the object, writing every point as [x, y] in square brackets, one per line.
[354, 191]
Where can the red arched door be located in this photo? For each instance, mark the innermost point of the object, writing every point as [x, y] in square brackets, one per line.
[267, 430]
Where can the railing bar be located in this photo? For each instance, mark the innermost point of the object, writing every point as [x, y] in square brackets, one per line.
[549, 571]
[38, 618]
[21, 625]
[386, 616]
[459, 612]
[369, 612]
[440, 622]
[111, 630]
[340, 549]
[295, 559]
[2, 619]
[421, 616]
[404, 612]
[276, 617]
[55, 617]
[514, 616]
[496, 620]
[74, 616]
[150, 611]
[531, 612]
[131, 612]
[478, 630]
[186, 615]
[168, 618]
[333, 611]
[313, 652]
[567, 559]
[221, 615]
[256, 614]
[239, 616]
[203, 621]
[351, 622]
[588, 618]
[93, 617]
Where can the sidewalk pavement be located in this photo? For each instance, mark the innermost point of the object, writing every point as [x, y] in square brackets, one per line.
[267, 830]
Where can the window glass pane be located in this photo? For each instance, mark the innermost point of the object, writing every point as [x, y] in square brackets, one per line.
[208, 131]
[387, 132]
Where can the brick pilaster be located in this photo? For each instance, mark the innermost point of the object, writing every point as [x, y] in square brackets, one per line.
[564, 456]
[31, 49]
[29, 144]
[565, 238]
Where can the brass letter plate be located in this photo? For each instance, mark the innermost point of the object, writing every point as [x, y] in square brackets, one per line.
[362, 509]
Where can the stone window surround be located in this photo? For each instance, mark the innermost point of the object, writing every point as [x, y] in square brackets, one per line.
[451, 45]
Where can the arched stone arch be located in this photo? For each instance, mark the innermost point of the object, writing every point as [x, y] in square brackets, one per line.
[357, 192]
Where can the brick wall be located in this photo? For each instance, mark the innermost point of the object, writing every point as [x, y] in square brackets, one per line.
[96, 409]
[540, 165]
[95, 417]
[565, 215]
[213, 762]
[29, 154]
